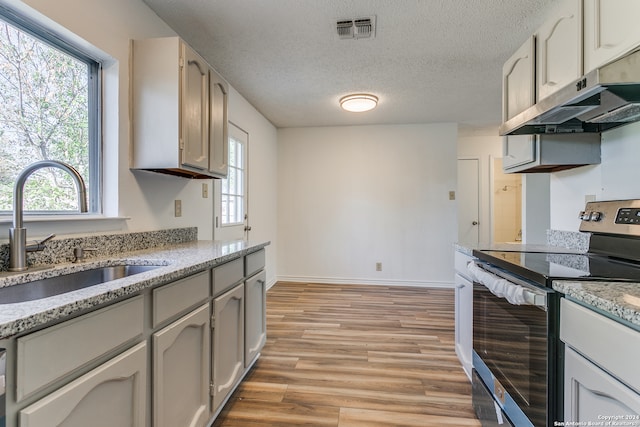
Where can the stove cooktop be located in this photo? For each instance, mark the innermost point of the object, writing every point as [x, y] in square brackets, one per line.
[543, 268]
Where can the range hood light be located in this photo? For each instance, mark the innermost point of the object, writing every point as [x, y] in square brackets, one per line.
[359, 103]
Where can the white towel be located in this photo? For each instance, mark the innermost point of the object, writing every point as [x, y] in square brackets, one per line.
[497, 285]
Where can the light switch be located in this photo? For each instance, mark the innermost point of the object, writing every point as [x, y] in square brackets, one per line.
[452, 195]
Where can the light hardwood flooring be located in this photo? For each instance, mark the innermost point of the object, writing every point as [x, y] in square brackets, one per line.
[351, 356]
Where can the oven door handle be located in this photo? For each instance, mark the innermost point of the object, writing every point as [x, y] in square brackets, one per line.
[514, 293]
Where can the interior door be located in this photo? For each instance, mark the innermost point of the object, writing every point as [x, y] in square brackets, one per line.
[468, 202]
[231, 220]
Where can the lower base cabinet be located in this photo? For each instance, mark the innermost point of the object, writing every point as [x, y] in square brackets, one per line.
[181, 371]
[228, 343]
[168, 357]
[111, 395]
[255, 316]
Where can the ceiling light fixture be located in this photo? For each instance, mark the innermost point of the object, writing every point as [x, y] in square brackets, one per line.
[358, 103]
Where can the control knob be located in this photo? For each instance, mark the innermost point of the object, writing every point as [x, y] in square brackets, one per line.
[595, 216]
[584, 216]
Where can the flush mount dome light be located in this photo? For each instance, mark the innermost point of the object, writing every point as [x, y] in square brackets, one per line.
[358, 103]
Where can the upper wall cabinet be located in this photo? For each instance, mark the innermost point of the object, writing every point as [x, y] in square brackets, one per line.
[610, 30]
[559, 49]
[179, 111]
[545, 63]
[518, 94]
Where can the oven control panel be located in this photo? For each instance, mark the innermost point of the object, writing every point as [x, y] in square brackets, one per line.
[628, 216]
[612, 217]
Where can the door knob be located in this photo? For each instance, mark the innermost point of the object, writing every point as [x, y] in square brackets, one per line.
[474, 223]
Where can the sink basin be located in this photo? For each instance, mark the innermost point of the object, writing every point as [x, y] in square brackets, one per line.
[51, 286]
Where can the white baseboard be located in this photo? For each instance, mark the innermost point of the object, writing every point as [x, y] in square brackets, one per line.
[382, 282]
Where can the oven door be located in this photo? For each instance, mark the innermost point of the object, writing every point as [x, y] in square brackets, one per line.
[511, 344]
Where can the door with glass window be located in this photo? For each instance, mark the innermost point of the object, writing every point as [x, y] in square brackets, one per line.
[231, 220]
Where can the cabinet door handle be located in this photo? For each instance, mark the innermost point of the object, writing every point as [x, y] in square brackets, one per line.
[474, 223]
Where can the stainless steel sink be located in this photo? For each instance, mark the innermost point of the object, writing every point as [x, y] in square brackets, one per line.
[51, 286]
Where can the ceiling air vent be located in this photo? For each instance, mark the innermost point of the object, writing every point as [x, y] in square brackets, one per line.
[360, 28]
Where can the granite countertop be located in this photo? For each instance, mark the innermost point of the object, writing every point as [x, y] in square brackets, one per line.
[618, 300]
[176, 261]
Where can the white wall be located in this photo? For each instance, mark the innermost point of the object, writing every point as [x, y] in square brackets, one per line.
[617, 177]
[484, 148]
[349, 197]
[263, 176]
[145, 198]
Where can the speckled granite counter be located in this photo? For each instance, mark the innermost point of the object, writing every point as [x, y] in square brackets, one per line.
[620, 301]
[176, 261]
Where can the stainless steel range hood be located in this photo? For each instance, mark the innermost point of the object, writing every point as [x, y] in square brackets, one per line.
[605, 98]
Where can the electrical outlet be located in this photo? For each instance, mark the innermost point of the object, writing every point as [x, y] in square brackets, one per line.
[178, 208]
[378, 266]
[205, 190]
[452, 195]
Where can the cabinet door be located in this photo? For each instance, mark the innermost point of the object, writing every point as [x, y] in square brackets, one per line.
[181, 371]
[518, 94]
[518, 150]
[559, 49]
[518, 81]
[218, 127]
[610, 30]
[591, 393]
[464, 322]
[111, 395]
[195, 110]
[228, 343]
[255, 316]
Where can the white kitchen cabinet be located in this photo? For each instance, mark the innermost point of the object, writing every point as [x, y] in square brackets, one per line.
[179, 109]
[559, 48]
[49, 355]
[591, 393]
[601, 376]
[218, 125]
[540, 153]
[181, 371]
[113, 394]
[228, 343]
[464, 312]
[518, 94]
[255, 316]
[610, 30]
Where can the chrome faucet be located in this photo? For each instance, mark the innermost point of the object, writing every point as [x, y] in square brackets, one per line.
[18, 247]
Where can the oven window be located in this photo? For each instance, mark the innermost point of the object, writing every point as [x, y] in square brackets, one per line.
[512, 341]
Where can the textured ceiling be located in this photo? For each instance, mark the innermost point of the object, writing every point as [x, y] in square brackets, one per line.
[430, 61]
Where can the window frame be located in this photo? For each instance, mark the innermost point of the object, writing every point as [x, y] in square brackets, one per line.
[238, 195]
[94, 108]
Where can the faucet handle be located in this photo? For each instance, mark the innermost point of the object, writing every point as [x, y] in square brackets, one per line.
[79, 253]
[39, 246]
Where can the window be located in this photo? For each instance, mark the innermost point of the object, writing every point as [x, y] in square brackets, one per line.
[233, 189]
[49, 93]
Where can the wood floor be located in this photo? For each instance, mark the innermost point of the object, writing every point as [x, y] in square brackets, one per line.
[351, 356]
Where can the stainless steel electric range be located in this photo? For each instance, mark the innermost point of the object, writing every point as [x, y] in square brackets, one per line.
[518, 357]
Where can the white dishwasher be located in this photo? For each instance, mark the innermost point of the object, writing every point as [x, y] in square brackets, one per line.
[602, 369]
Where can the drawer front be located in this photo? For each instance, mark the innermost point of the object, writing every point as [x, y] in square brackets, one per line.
[175, 298]
[48, 355]
[254, 262]
[594, 336]
[227, 275]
